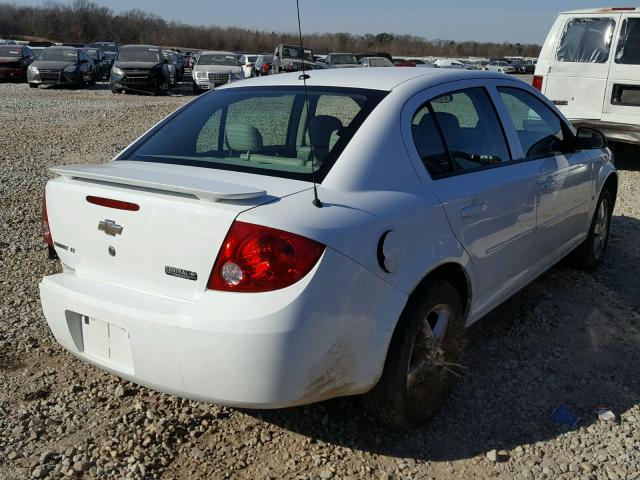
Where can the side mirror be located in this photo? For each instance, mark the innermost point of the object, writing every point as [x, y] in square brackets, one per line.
[590, 139]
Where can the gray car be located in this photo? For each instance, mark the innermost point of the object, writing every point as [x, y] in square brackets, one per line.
[375, 62]
[215, 68]
[341, 60]
[61, 66]
[500, 66]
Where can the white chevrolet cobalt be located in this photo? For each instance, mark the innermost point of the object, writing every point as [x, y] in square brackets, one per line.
[202, 262]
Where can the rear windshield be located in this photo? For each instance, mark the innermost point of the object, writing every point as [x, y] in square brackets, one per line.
[10, 52]
[267, 130]
[139, 54]
[107, 47]
[628, 51]
[586, 40]
[380, 62]
[59, 55]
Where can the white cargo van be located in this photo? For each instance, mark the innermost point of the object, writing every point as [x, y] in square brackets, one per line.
[589, 67]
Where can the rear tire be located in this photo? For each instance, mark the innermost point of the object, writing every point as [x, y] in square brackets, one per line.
[589, 253]
[424, 357]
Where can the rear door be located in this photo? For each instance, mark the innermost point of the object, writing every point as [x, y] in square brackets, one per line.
[489, 199]
[622, 99]
[576, 77]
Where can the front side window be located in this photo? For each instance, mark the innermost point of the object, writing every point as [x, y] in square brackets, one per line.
[586, 40]
[265, 130]
[541, 132]
[628, 50]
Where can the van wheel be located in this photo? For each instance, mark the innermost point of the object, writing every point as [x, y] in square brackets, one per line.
[589, 253]
[424, 358]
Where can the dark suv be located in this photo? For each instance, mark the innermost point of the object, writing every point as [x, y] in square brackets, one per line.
[140, 68]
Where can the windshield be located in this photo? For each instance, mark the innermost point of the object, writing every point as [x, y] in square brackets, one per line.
[218, 59]
[10, 52]
[265, 59]
[107, 47]
[294, 52]
[59, 55]
[139, 54]
[264, 130]
[93, 53]
[343, 59]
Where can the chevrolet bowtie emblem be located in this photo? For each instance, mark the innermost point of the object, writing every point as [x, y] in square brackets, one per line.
[110, 227]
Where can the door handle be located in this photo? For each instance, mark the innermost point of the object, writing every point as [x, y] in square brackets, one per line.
[473, 210]
[548, 185]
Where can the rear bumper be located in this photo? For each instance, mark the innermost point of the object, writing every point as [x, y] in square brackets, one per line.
[618, 132]
[317, 339]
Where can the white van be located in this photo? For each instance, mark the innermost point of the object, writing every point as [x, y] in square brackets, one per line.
[589, 67]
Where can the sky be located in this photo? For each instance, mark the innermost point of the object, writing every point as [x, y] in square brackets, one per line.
[480, 20]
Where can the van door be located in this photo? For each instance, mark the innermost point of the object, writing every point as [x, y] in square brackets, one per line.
[622, 99]
[576, 79]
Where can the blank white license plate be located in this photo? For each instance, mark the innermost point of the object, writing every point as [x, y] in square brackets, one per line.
[107, 341]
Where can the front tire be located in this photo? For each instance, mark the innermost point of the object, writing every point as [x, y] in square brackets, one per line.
[424, 357]
[589, 253]
[34, 85]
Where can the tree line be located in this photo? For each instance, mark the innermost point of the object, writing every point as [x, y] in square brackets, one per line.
[84, 21]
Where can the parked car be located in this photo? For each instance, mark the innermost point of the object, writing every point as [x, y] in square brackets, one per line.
[140, 68]
[37, 47]
[421, 63]
[290, 58]
[172, 62]
[449, 63]
[14, 62]
[500, 66]
[262, 65]
[102, 66]
[374, 54]
[341, 60]
[589, 67]
[214, 69]
[402, 62]
[524, 66]
[375, 62]
[61, 66]
[201, 263]
[247, 62]
[109, 48]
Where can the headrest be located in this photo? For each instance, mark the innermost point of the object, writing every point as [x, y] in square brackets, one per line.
[320, 129]
[243, 138]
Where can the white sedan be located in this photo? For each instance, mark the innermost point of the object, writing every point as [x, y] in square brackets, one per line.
[203, 261]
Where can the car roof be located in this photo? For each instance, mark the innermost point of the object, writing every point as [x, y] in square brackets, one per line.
[140, 46]
[370, 78]
[217, 52]
[604, 10]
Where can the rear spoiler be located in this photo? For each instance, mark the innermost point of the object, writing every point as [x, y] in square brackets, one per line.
[202, 188]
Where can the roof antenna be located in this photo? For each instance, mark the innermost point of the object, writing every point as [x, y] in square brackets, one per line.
[316, 201]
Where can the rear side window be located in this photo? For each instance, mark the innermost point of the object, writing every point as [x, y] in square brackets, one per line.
[265, 130]
[471, 130]
[586, 40]
[628, 50]
[541, 132]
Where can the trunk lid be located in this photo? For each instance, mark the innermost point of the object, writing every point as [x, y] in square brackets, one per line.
[169, 244]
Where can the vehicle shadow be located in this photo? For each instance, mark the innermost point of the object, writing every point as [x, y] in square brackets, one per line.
[626, 157]
[570, 337]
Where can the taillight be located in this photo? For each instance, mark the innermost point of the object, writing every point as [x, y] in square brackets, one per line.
[111, 203]
[537, 82]
[254, 258]
[46, 231]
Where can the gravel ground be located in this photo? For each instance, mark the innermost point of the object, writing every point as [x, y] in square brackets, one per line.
[570, 337]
